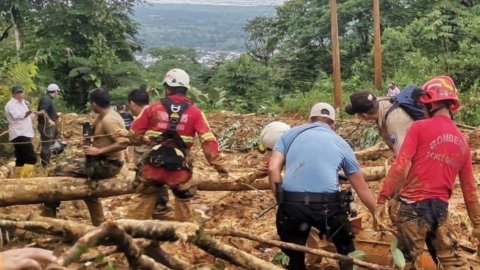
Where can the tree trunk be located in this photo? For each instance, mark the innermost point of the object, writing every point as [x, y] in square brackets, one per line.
[54, 189]
[14, 12]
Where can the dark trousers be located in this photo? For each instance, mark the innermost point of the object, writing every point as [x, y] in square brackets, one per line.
[24, 152]
[163, 198]
[47, 135]
[295, 219]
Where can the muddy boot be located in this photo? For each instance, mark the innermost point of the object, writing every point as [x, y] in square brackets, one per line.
[163, 212]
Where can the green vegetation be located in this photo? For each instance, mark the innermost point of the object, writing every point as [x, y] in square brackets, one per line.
[287, 68]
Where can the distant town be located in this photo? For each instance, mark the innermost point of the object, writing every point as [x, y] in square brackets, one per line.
[205, 57]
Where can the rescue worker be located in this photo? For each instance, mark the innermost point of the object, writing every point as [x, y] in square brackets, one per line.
[309, 195]
[368, 107]
[106, 154]
[137, 102]
[420, 182]
[171, 126]
[20, 132]
[268, 138]
[46, 123]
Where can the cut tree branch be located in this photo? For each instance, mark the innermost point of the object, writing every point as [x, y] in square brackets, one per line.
[111, 233]
[304, 249]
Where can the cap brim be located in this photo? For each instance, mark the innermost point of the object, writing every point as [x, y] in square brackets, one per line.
[349, 109]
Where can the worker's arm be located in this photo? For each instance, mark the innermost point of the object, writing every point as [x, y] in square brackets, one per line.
[210, 145]
[43, 106]
[260, 172]
[275, 167]
[352, 170]
[399, 170]
[111, 127]
[138, 129]
[16, 112]
[276, 163]
[469, 190]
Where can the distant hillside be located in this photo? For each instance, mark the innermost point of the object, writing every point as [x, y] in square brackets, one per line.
[208, 27]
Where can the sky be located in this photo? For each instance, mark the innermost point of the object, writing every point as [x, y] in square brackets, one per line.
[223, 2]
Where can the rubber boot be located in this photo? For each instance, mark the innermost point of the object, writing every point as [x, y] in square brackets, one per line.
[28, 171]
[18, 172]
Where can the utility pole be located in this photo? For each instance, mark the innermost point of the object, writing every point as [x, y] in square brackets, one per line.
[337, 77]
[377, 44]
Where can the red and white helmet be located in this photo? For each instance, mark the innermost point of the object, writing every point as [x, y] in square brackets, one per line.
[441, 88]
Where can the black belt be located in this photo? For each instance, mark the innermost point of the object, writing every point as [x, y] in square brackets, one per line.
[308, 197]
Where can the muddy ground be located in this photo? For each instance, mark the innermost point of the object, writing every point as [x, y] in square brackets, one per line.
[238, 135]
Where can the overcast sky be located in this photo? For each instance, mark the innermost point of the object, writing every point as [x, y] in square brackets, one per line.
[222, 2]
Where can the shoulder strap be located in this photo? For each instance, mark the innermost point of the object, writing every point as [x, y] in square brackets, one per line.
[293, 139]
[393, 107]
[175, 112]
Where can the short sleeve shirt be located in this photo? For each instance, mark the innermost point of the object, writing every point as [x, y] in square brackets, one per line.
[315, 156]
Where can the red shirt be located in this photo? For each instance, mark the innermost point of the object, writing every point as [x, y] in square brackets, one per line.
[154, 120]
[438, 152]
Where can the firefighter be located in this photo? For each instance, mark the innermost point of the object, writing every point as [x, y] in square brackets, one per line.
[420, 182]
[170, 126]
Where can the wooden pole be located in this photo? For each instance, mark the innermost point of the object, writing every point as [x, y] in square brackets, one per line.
[377, 44]
[337, 79]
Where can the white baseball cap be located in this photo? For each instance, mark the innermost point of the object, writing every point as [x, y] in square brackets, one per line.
[53, 87]
[323, 110]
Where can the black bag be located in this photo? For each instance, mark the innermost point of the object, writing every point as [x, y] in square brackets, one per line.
[170, 151]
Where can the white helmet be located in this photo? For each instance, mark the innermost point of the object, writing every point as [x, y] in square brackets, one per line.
[271, 133]
[177, 78]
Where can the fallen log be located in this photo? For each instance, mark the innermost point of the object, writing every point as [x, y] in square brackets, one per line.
[53, 189]
[379, 149]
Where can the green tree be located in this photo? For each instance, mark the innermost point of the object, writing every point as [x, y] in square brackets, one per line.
[247, 83]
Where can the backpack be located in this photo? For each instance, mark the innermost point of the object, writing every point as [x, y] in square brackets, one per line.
[170, 150]
[405, 101]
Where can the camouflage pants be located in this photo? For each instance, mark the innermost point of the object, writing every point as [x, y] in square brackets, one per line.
[421, 223]
[102, 169]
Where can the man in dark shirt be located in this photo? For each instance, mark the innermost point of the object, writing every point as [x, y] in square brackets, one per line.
[46, 122]
[126, 116]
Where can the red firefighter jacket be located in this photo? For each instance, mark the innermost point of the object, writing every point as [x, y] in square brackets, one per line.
[155, 119]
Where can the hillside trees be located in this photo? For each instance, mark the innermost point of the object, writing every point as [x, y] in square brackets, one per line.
[82, 44]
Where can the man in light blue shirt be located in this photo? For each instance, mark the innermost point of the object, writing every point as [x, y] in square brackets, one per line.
[312, 155]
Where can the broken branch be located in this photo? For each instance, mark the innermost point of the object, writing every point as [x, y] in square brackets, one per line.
[304, 249]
